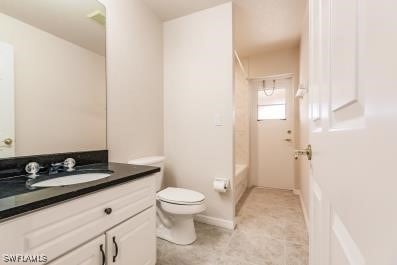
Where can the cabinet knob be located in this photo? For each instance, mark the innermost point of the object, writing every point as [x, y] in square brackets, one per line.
[108, 211]
[8, 141]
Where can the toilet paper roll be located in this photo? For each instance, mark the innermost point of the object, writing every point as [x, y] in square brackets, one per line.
[220, 185]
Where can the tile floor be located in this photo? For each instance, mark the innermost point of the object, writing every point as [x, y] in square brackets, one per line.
[270, 231]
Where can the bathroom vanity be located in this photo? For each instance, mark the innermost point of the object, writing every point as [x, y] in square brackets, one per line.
[107, 221]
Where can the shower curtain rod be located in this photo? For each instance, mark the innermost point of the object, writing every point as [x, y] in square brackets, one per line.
[273, 77]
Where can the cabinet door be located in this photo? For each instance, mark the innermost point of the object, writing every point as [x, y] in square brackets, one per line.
[91, 253]
[134, 241]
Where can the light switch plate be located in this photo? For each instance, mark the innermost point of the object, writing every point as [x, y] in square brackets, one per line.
[219, 120]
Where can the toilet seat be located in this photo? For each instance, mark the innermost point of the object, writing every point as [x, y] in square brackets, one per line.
[181, 209]
[180, 196]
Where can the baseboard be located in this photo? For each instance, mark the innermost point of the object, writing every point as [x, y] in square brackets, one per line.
[305, 215]
[215, 221]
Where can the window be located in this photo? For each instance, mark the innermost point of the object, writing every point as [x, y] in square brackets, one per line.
[271, 101]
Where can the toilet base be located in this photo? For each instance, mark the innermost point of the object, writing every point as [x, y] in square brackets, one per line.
[182, 231]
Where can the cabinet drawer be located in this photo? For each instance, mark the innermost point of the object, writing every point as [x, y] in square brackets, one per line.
[58, 229]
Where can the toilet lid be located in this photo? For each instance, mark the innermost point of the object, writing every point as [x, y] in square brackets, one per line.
[180, 196]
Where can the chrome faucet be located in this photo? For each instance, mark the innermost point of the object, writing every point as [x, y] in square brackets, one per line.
[54, 168]
[33, 168]
[67, 165]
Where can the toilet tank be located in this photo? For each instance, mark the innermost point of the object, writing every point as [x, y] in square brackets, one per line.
[154, 161]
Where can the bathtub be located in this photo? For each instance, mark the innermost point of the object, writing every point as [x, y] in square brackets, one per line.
[240, 181]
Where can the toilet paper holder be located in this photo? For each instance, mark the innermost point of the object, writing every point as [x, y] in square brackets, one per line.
[221, 184]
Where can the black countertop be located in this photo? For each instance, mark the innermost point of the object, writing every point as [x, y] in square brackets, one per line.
[17, 198]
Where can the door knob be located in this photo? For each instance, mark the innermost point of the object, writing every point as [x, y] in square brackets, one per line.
[307, 152]
[7, 141]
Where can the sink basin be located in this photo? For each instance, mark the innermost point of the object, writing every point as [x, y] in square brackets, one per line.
[70, 180]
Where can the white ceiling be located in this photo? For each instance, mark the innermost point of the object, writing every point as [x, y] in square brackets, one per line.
[66, 19]
[260, 25]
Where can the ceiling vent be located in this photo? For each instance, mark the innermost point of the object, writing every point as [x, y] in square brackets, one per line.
[98, 16]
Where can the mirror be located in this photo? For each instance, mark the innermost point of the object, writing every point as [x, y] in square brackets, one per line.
[52, 77]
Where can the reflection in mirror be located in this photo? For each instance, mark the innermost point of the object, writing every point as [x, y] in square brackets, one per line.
[52, 77]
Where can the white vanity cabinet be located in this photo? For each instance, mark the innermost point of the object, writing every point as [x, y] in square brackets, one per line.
[61, 232]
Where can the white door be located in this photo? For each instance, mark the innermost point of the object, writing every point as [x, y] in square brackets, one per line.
[134, 241]
[7, 115]
[91, 253]
[353, 91]
[274, 133]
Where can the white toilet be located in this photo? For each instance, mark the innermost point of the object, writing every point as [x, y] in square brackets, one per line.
[175, 207]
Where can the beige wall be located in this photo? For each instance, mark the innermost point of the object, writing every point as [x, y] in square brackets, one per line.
[60, 92]
[135, 80]
[242, 110]
[275, 62]
[198, 85]
[304, 165]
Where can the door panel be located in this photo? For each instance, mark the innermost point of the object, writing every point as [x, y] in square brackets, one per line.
[319, 223]
[134, 241]
[342, 246]
[87, 254]
[346, 94]
[7, 108]
[343, 44]
[353, 64]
